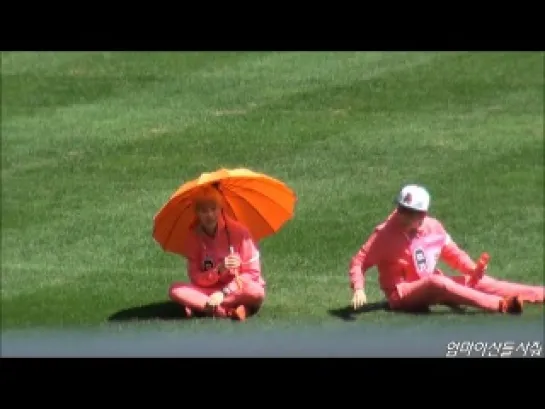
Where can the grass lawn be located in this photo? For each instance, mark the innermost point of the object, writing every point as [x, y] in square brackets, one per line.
[94, 143]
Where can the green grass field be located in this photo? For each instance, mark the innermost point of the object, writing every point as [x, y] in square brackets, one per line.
[94, 143]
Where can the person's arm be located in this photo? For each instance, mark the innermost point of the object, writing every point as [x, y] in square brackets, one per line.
[363, 260]
[250, 263]
[456, 258]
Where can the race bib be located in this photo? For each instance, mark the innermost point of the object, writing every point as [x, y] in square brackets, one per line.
[207, 264]
[425, 253]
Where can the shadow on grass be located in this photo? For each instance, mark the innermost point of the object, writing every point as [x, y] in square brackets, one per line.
[162, 311]
[349, 314]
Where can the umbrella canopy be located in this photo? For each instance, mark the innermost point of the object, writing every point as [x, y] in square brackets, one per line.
[261, 203]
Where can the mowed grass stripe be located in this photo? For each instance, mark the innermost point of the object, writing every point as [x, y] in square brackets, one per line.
[307, 145]
[180, 99]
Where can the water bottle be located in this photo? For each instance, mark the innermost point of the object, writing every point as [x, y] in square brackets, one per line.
[482, 263]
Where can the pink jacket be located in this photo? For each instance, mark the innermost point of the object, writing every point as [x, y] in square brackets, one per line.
[206, 251]
[400, 258]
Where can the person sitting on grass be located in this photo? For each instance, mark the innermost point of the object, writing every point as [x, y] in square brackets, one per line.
[224, 268]
[406, 248]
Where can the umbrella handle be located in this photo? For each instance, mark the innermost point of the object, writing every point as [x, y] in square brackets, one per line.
[235, 270]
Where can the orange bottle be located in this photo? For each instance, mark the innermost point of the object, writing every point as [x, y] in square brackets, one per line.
[478, 273]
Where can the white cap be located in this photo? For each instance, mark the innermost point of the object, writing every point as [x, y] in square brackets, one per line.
[414, 197]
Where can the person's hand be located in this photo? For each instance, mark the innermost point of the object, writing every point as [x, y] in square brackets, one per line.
[359, 299]
[232, 261]
[215, 299]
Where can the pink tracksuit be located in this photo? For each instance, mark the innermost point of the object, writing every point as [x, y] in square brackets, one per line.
[206, 253]
[408, 275]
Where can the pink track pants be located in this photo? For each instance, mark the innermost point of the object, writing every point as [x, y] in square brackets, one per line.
[195, 298]
[442, 289]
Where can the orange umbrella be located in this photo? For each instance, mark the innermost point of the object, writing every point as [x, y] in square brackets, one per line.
[263, 204]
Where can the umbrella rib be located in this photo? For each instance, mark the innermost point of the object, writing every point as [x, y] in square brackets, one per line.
[260, 193]
[175, 223]
[227, 203]
[240, 197]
